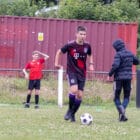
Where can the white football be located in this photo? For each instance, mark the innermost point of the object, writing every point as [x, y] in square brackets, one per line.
[86, 119]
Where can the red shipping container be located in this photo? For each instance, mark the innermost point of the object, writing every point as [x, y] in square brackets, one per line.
[19, 36]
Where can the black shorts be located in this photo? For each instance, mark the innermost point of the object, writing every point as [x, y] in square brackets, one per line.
[34, 84]
[75, 79]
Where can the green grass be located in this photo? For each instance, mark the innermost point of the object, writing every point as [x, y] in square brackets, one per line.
[46, 123]
[13, 90]
[18, 123]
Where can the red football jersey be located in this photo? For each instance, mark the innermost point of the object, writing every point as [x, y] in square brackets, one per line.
[35, 67]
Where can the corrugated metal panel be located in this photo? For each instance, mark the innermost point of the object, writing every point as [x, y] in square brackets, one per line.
[19, 36]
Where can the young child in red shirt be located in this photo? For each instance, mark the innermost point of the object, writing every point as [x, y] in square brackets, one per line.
[35, 67]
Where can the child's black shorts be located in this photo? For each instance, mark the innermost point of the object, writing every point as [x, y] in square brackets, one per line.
[34, 84]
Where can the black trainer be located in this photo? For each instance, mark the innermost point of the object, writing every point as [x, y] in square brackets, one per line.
[27, 105]
[67, 115]
[72, 118]
[122, 118]
[36, 106]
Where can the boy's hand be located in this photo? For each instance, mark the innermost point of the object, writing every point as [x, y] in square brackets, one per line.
[27, 76]
[91, 67]
[58, 66]
[108, 78]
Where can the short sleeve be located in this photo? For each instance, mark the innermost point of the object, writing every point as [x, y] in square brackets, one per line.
[89, 50]
[65, 48]
[42, 60]
[27, 66]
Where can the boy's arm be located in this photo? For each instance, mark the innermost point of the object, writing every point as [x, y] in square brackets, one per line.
[115, 65]
[25, 73]
[91, 64]
[43, 54]
[57, 57]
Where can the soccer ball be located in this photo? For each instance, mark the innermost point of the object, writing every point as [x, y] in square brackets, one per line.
[86, 119]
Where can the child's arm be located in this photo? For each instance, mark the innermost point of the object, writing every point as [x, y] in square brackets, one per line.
[57, 57]
[43, 54]
[25, 73]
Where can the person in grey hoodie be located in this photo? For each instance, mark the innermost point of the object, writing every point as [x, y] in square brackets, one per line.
[122, 71]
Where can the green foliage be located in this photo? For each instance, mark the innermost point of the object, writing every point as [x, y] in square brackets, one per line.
[118, 10]
[94, 10]
[129, 11]
[17, 8]
[80, 9]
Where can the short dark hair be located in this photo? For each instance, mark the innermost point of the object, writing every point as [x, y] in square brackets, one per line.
[81, 28]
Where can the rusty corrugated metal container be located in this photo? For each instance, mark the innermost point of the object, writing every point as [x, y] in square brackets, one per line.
[19, 36]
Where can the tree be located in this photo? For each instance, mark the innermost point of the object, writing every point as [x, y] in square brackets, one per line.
[122, 10]
[138, 3]
[55, 2]
[107, 1]
[17, 8]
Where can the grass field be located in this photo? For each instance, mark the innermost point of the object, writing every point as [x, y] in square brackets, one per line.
[46, 123]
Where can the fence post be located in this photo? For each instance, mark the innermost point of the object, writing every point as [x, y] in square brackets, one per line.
[138, 89]
[60, 87]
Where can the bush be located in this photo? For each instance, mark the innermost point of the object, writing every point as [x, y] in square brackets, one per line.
[17, 8]
[94, 10]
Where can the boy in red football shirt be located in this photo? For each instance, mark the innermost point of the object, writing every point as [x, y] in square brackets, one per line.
[35, 74]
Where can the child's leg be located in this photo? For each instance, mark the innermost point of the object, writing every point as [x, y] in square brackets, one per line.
[37, 90]
[36, 98]
[30, 89]
[28, 98]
